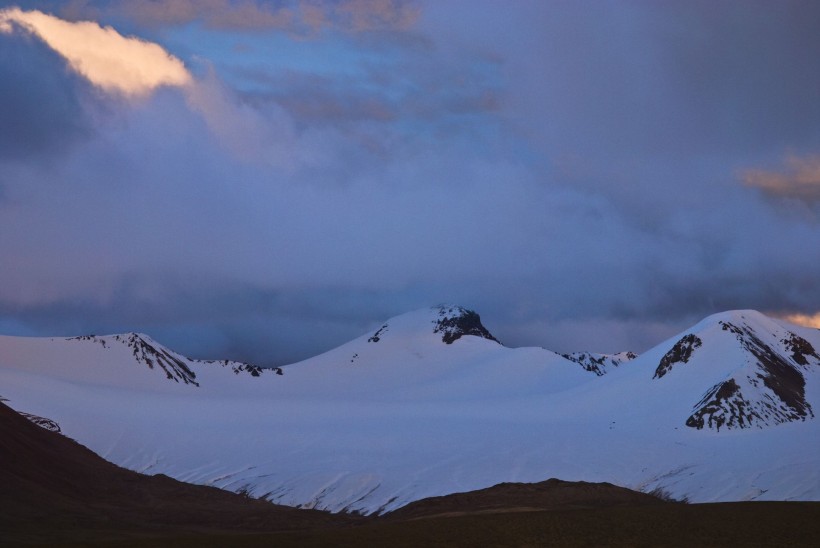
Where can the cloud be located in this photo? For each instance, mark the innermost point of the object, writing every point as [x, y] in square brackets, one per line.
[249, 134]
[299, 17]
[361, 15]
[800, 179]
[568, 170]
[41, 110]
[804, 319]
[221, 14]
[113, 62]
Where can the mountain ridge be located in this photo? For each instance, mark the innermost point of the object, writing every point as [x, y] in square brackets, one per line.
[374, 424]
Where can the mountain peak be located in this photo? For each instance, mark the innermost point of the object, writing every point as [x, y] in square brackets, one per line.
[149, 352]
[454, 322]
[763, 365]
[451, 322]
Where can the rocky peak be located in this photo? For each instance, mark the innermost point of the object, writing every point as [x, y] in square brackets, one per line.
[454, 322]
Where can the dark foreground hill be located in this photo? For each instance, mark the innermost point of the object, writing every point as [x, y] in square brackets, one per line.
[552, 494]
[54, 491]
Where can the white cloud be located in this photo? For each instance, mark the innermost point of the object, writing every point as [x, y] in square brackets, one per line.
[109, 60]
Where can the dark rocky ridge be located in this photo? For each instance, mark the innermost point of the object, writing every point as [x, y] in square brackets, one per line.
[723, 404]
[800, 348]
[598, 364]
[377, 335]
[42, 422]
[175, 367]
[680, 353]
[455, 322]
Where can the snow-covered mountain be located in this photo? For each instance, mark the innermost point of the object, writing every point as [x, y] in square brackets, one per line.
[430, 403]
[764, 380]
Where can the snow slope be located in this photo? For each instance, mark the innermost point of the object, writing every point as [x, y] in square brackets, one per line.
[429, 403]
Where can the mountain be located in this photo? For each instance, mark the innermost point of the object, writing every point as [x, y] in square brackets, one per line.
[430, 403]
[764, 376]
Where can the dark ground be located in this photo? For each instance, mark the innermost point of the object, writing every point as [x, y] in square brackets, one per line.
[55, 492]
[53, 489]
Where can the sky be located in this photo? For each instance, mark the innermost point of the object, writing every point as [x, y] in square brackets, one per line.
[264, 181]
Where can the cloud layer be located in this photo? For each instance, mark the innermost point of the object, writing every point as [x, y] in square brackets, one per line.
[297, 17]
[587, 176]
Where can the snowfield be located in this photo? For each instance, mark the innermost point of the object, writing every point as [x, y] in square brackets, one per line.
[429, 403]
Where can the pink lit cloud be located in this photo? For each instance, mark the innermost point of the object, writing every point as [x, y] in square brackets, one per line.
[109, 60]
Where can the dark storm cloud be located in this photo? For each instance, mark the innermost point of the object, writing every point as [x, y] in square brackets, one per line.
[742, 70]
[670, 80]
[40, 108]
[649, 109]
